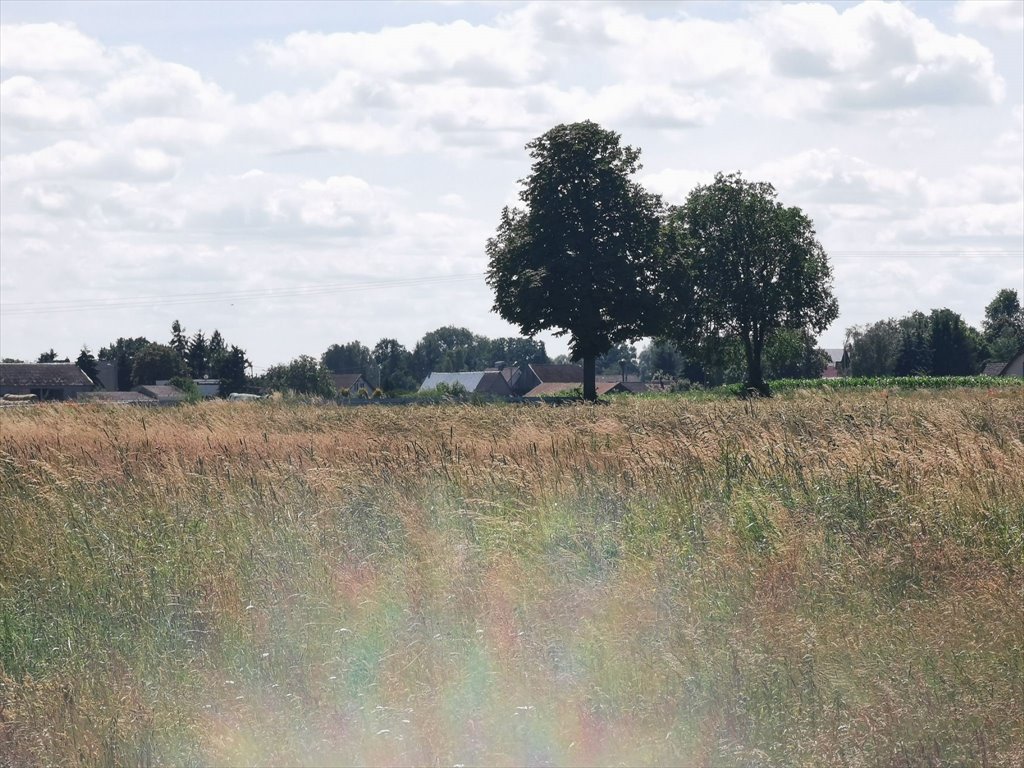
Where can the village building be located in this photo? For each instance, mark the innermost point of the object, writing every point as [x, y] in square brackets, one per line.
[47, 381]
[1012, 367]
[353, 382]
[474, 382]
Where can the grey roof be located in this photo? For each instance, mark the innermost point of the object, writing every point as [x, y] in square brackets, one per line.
[836, 353]
[468, 379]
[558, 373]
[120, 398]
[347, 380]
[43, 375]
[479, 382]
[161, 392]
[994, 369]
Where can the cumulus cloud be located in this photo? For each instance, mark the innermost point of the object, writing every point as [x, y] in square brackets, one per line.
[477, 54]
[30, 104]
[1004, 15]
[70, 159]
[41, 48]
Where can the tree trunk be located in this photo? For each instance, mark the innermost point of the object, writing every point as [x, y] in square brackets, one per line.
[755, 370]
[589, 377]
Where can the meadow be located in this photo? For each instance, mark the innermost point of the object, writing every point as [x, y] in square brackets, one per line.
[819, 578]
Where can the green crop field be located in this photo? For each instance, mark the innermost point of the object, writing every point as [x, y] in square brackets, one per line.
[823, 578]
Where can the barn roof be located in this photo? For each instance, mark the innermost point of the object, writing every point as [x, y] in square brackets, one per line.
[994, 369]
[162, 392]
[346, 380]
[43, 375]
[558, 373]
[119, 398]
[556, 388]
[479, 382]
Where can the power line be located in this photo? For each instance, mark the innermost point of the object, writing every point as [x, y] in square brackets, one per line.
[321, 289]
[46, 307]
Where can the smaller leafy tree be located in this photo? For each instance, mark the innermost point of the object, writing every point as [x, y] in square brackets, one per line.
[793, 354]
[740, 265]
[874, 348]
[155, 362]
[352, 357]
[1004, 325]
[957, 348]
[87, 363]
[123, 352]
[304, 375]
[231, 371]
[394, 363]
[178, 339]
[914, 354]
[198, 355]
[51, 357]
[187, 385]
[215, 350]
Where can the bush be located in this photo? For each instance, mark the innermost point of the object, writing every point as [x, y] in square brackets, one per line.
[186, 385]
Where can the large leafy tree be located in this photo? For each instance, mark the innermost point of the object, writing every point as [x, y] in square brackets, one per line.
[303, 375]
[394, 363]
[230, 370]
[155, 362]
[448, 349]
[123, 352]
[741, 265]
[956, 347]
[577, 258]
[346, 358]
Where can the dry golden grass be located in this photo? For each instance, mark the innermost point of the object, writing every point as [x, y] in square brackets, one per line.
[815, 579]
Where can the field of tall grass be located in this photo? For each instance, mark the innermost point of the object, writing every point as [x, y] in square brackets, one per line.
[818, 579]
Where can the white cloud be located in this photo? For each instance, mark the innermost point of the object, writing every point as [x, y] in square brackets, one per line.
[1005, 15]
[51, 48]
[34, 105]
[419, 52]
[155, 88]
[71, 159]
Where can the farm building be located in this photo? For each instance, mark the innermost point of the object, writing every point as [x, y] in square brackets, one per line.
[554, 389]
[163, 394]
[207, 387]
[107, 374]
[1014, 367]
[47, 381]
[838, 363]
[118, 398]
[353, 382]
[535, 374]
[474, 382]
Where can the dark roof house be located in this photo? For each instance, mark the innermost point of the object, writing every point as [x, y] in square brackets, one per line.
[48, 381]
[536, 374]
[1012, 367]
[353, 382]
[164, 394]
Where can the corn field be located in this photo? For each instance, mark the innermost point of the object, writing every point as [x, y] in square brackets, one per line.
[822, 578]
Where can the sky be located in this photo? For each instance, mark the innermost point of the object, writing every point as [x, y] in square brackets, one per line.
[302, 174]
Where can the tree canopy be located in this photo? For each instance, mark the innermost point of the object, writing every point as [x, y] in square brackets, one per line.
[577, 259]
[739, 264]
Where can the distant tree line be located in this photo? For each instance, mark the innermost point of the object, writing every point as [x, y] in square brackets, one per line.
[940, 343]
